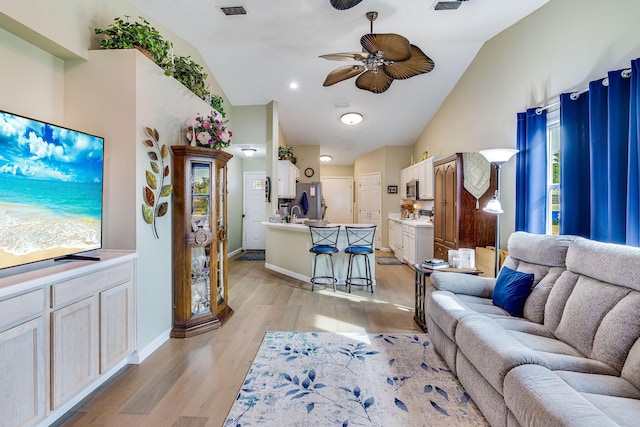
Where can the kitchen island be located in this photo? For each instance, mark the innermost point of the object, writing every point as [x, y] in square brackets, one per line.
[287, 252]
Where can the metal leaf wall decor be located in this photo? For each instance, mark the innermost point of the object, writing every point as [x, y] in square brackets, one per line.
[156, 188]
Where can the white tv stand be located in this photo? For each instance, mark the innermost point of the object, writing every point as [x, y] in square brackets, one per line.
[64, 329]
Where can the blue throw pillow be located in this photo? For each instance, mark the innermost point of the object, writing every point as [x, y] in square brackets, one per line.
[511, 290]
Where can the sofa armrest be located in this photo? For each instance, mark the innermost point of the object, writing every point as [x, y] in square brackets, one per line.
[460, 283]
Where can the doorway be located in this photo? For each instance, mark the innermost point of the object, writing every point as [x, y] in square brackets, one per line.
[338, 196]
[370, 202]
[254, 208]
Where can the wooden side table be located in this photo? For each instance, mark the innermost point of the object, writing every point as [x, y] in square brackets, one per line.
[421, 274]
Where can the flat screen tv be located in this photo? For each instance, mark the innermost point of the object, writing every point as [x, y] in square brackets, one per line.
[50, 191]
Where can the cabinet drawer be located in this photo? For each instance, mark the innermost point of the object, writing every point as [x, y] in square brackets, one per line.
[80, 287]
[15, 309]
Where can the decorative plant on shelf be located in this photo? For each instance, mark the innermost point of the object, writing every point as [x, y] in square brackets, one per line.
[210, 131]
[216, 104]
[155, 188]
[285, 153]
[123, 34]
[190, 74]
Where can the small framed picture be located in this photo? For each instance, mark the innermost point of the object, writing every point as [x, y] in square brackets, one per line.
[392, 189]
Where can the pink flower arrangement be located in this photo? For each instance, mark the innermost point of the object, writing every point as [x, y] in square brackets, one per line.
[210, 131]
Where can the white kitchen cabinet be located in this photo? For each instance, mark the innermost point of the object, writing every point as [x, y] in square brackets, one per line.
[417, 241]
[425, 177]
[395, 238]
[116, 325]
[288, 175]
[403, 183]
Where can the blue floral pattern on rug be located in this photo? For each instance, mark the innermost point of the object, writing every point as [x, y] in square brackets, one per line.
[350, 379]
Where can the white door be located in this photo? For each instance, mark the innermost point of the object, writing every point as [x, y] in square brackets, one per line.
[254, 211]
[370, 202]
[338, 196]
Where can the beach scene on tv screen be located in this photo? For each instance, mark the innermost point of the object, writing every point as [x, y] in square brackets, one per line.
[50, 191]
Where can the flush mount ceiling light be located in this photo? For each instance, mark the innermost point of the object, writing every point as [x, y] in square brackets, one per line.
[351, 118]
[249, 152]
[325, 158]
[293, 85]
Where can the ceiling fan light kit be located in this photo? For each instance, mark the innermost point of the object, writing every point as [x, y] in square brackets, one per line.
[352, 118]
[385, 58]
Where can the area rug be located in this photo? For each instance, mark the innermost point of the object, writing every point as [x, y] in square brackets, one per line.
[350, 379]
[387, 260]
[251, 256]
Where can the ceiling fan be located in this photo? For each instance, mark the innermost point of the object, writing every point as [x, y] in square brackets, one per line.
[344, 4]
[385, 57]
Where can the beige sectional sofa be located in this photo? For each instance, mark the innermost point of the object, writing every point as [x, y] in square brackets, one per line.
[573, 359]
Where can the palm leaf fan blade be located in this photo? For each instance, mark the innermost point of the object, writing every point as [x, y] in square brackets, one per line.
[419, 63]
[344, 4]
[346, 56]
[376, 82]
[394, 46]
[343, 73]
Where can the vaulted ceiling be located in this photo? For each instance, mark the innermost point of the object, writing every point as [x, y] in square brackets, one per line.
[256, 56]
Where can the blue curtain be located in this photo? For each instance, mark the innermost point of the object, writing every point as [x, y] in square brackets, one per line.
[599, 160]
[633, 188]
[531, 172]
[574, 165]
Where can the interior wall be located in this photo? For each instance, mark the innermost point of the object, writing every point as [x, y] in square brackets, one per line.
[326, 170]
[308, 156]
[559, 48]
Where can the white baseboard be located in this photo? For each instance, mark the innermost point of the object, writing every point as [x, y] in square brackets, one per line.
[237, 251]
[299, 276]
[385, 249]
[138, 356]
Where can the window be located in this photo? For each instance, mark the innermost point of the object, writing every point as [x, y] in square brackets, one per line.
[553, 172]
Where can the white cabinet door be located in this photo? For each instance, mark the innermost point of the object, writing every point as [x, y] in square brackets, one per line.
[74, 349]
[403, 183]
[116, 325]
[288, 173]
[22, 400]
[425, 176]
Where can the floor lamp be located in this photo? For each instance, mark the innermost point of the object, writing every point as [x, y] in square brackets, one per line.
[497, 157]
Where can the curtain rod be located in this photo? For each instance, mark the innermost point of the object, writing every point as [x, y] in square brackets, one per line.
[576, 94]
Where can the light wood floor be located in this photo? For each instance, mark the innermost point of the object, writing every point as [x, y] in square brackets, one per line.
[194, 381]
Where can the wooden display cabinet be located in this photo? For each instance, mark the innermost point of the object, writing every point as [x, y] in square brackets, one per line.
[459, 221]
[200, 300]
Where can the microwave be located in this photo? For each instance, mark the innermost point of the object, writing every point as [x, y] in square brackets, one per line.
[413, 189]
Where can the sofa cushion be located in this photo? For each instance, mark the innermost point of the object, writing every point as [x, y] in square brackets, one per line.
[631, 369]
[546, 344]
[618, 331]
[557, 300]
[537, 397]
[621, 410]
[609, 385]
[491, 349]
[522, 325]
[616, 264]
[535, 305]
[587, 306]
[539, 249]
[511, 290]
[568, 362]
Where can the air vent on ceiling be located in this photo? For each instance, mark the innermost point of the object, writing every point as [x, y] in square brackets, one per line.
[233, 10]
[448, 5]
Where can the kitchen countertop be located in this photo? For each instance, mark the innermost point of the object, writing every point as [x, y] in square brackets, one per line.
[304, 227]
[413, 222]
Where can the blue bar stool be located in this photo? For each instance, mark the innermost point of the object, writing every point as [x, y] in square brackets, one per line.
[359, 243]
[324, 241]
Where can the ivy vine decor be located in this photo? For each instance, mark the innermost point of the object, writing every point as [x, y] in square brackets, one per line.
[123, 34]
[156, 187]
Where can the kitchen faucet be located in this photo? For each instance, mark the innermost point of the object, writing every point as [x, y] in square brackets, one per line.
[293, 216]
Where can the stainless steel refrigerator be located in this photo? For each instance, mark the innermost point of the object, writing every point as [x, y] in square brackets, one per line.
[312, 193]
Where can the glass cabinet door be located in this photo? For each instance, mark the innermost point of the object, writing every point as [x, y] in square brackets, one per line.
[222, 239]
[201, 209]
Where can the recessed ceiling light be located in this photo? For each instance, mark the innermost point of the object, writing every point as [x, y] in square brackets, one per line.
[325, 158]
[351, 118]
[249, 152]
[293, 85]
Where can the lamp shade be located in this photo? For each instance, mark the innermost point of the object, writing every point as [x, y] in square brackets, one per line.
[498, 155]
[494, 206]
